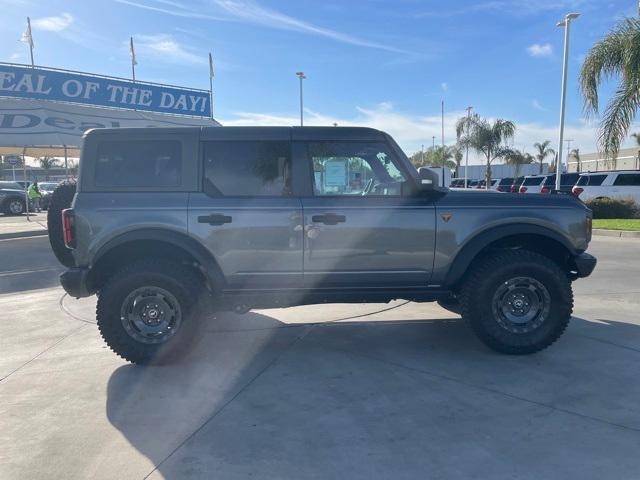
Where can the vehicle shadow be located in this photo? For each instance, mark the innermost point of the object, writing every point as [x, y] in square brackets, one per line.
[260, 398]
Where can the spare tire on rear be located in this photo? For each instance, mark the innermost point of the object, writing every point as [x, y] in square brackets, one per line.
[61, 198]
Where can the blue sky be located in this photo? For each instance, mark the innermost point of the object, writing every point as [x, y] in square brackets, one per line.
[385, 64]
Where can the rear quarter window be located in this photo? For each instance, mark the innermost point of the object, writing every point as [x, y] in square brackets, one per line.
[138, 163]
[533, 181]
[591, 180]
[627, 180]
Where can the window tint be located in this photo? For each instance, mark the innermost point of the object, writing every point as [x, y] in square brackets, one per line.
[569, 178]
[550, 180]
[533, 181]
[591, 180]
[247, 168]
[139, 163]
[628, 179]
[506, 181]
[354, 168]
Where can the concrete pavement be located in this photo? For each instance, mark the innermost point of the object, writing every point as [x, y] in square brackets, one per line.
[22, 226]
[407, 392]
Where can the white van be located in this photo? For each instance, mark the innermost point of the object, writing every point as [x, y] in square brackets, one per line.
[615, 184]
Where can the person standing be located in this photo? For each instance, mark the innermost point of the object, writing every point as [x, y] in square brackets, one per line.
[34, 196]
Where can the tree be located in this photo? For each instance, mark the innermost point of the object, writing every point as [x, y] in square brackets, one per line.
[516, 159]
[47, 163]
[616, 55]
[488, 139]
[543, 151]
[457, 158]
[575, 153]
[437, 156]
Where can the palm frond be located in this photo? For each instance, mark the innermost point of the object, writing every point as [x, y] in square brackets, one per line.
[618, 117]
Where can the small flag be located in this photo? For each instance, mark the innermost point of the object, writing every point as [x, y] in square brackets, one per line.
[26, 35]
[212, 72]
[132, 52]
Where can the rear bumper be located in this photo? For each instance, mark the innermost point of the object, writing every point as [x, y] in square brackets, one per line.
[585, 264]
[75, 282]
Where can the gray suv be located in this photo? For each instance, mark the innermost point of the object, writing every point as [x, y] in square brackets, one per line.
[167, 223]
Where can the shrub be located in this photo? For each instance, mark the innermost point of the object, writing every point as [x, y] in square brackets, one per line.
[613, 208]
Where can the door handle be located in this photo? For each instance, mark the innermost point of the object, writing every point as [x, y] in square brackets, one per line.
[329, 219]
[214, 219]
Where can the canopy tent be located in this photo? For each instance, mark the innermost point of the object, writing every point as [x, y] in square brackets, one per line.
[43, 128]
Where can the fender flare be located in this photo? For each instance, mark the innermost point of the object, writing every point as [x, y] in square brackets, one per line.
[212, 270]
[476, 244]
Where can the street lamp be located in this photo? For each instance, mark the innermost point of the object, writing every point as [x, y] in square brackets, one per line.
[466, 161]
[301, 76]
[566, 23]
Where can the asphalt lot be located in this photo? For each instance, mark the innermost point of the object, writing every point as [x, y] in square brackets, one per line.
[404, 393]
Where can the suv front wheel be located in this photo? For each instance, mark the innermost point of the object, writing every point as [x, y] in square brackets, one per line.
[148, 311]
[517, 301]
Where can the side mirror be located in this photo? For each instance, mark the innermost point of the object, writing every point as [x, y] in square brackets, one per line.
[427, 180]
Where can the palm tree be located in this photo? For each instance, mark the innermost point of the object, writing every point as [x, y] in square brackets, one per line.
[616, 55]
[438, 156]
[488, 139]
[457, 157]
[575, 153]
[543, 151]
[516, 159]
[47, 163]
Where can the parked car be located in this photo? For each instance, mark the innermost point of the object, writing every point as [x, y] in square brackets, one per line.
[532, 184]
[23, 184]
[614, 184]
[10, 185]
[245, 224]
[567, 182]
[517, 182]
[473, 183]
[12, 200]
[504, 184]
[46, 189]
[457, 183]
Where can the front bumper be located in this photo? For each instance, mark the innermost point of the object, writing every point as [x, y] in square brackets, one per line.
[584, 264]
[75, 282]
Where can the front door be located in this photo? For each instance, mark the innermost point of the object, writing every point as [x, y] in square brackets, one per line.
[360, 230]
[246, 214]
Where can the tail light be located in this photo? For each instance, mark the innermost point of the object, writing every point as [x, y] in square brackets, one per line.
[513, 189]
[577, 191]
[545, 190]
[68, 228]
[523, 189]
[499, 189]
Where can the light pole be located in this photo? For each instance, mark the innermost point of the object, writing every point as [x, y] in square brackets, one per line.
[433, 143]
[466, 161]
[566, 23]
[301, 76]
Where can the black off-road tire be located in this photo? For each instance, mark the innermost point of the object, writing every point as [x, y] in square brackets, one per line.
[493, 271]
[451, 304]
[179, 280]
[61, 198]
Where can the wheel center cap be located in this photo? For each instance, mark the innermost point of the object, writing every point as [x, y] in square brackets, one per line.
[518, 303]
[153, 313]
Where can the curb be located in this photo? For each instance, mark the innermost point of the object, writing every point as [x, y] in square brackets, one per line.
[615, 233]
[30, 233]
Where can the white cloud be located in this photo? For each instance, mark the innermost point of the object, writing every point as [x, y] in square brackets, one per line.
[538, 106]
[249, 11]
[411, 131]
[540, 50]
[53, 24]
[165, 48]
[444, 86]
[15, 56]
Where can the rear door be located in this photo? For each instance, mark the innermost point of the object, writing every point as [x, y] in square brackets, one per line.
[627, 185]
[246, 213]
[360, 230]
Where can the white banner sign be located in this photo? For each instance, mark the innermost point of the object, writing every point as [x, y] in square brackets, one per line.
[26, 123]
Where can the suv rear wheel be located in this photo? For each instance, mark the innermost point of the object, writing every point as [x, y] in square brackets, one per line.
[517, 301]
[148, 311]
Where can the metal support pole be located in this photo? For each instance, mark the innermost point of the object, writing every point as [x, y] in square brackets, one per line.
[66, 163]
[466, 161]
[301, 76]
[565, 66]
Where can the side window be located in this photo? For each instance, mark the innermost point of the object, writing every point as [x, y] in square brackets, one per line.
[247, 168]
[139, 163]
[591, 180]
[627, 179]
[354, 168]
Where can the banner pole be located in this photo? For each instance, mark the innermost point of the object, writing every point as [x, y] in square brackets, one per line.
[26, 193]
